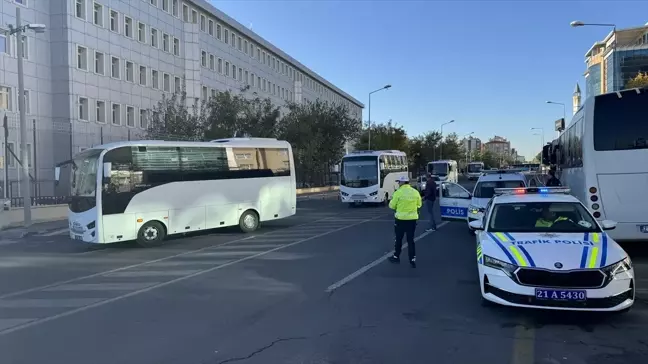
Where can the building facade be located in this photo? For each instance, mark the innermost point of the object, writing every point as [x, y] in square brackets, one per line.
[498, 146]
[471, 144]
[94, 76]
[615, 60]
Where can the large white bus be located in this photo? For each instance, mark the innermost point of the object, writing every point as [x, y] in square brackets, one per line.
[147, 190]
[602, 156]
[370, 176]
[474, 170]
[445, 170]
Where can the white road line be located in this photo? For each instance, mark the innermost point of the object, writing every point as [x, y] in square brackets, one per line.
[55, 232]
[49, 302]
[163, 284]
[7, 323]
[215, 246]
[151, 273]
[367, 267]
[127, 286]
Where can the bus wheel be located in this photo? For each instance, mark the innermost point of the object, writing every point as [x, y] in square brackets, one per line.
[151, 234]
[249, 221]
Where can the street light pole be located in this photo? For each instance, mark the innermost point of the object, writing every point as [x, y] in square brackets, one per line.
[542, 137]
[18, 30]
[369, 122]
[577, 23]
[441, 142]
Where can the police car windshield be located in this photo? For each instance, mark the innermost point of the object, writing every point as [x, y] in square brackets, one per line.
[538, 217]
[486, 189]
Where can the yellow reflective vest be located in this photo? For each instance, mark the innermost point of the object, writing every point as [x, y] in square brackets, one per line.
[406, 201]
[547, 223]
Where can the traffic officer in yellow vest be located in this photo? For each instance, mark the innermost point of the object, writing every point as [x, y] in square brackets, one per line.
[406, 201]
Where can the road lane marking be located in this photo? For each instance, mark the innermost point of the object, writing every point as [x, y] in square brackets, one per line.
[43, 320]
[367, 267]
[125, 286]
[151, 273]
[49, 302]
[523, 344]
[7, 323]
[215, 246]
[55, 232]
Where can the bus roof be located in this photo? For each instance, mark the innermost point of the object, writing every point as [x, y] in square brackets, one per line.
[256, 142]
[443, 161]
[357, 153]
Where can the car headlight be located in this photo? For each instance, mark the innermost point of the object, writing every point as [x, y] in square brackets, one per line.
[373, 193]
[475, 209]
[619, 267]
[505, 267]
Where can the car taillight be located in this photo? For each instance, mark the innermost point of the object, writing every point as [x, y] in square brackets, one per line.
[594, 198]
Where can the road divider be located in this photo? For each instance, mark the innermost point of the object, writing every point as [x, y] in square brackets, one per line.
[367, 267]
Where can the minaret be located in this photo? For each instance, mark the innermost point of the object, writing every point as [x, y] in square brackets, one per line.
[576, 99]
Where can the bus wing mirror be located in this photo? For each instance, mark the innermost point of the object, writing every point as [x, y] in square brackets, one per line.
[107, 169]
[57, 174]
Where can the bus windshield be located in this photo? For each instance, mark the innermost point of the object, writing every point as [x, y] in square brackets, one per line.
[84, 173]
[475, 167]
[359, 171]
[619, 122]
[438, 169]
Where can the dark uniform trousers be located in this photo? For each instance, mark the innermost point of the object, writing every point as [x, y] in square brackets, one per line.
[405, 228]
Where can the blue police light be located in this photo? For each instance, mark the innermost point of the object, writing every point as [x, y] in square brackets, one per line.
[544, 190]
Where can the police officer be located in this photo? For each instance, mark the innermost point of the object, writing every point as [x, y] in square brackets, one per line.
[548, 218]
[553, 180]
[406, 201]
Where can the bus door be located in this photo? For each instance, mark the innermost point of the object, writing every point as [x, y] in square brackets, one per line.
[454, 201]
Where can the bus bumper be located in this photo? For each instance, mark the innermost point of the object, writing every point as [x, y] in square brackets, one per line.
[625, 231]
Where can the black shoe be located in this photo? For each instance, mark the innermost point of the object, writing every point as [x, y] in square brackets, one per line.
[394, 259]
[413, 262]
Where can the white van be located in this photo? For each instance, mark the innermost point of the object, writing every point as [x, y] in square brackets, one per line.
[445, 170]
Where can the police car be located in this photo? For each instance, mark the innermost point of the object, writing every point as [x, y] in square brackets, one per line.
[485, 189]
[541, 248]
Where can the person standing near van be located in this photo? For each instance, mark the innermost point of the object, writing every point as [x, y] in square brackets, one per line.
[430, 196]
[406, 201]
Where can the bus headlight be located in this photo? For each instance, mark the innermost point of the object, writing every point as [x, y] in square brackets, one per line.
[344, 194]
[373, 193]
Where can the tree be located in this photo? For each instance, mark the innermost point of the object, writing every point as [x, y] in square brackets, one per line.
[172, 119]
[225, 115]
[259, 118]
[639, 81]
[387, 136]
[452, 149]
[490, 160]
[538, 158]
[317, 132]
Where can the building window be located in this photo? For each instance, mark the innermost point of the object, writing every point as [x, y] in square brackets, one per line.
[203, 23]
[116, 114]
[141, 32]
[264, 85]
[143, 118]
[114, 67]
[174, 8]
[220, 66]
[100, 112]
[165, 42]
[194, 16]
[210, 28]
[130, 71]
[154, 2]
[234, 71]
[247, 78]
[176, 46]
[5, 98]
[82, 58]
[25, 47]
[165, 5]
[80, 9]
[128, 27]
[12, 161]
[203, 58]
[83, 108]
[166, 82]
[177, 86]
[227, 68]
[233, 42]
[240, 74]
[98, 15]
[251, 50]
[142, 75]
[114, 21]
[185, 13]
[258, 81]
[218, 32]
[212, 62]
[130, 116]
[252, 80]
[155, 79]
[154, 37]
[213, 93]
[239, 44]
[264, 57]
[4, 44]
[204, 93]
[100, 63]
[226, 35]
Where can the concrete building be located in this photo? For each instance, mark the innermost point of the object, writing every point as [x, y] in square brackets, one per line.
[95, 74]
[615, 60]
[499, 146]
[471, 144]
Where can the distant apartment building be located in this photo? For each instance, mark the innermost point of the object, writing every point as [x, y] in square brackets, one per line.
[615, 60]
[499, 146]
[101, 67]
[471, 144]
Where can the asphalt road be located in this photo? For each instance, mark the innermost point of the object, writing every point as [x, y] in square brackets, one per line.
[311, 289]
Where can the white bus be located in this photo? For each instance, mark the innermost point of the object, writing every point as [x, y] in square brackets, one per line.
[602, 156]
[445, 170]
[147, 190]
[370, 176]
[474, 170]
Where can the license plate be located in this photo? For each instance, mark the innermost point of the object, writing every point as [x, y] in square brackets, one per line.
[358, 201]
[78, 237]
[560, 294]
[643, 228]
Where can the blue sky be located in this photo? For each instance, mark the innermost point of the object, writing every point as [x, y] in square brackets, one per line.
[490, 65]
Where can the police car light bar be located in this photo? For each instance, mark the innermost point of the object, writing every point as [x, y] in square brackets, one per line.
[531, 190]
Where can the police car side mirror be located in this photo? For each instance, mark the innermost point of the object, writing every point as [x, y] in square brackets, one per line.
[476, 225]
[608, 224]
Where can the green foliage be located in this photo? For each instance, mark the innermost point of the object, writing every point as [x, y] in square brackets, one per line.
[173, 118]
[388, 136]
[490, 160]
[639, 81]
